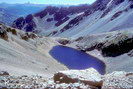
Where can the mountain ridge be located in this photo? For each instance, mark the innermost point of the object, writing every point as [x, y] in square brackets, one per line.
[99, 11]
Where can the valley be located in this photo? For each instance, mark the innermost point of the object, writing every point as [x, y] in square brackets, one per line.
[74, 47]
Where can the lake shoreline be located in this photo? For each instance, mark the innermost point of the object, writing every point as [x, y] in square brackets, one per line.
[90, 61]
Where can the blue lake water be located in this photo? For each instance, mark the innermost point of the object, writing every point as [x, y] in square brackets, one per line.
[75, 59]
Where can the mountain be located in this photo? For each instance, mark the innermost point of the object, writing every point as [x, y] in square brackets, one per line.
[103, 31]
[10, 12]
[50, 18]
[103, 28]
[101, 16]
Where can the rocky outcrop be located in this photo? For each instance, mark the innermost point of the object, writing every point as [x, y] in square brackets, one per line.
[4, 73]
[115, 80]
[12, 30]
[28, 36]
[89, 77]
[25, 23]
[73, 22]
[30, 24]
[111, 45]
[118, 46]
[4, 31]
[19, 23]
[114, 50]
[63, 41]
[116, 15]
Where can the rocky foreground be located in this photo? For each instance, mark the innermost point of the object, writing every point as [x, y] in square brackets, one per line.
[71, 79]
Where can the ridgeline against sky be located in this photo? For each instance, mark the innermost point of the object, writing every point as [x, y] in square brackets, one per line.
[69, 2]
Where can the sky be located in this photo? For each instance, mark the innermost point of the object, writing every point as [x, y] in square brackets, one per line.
[70, 2]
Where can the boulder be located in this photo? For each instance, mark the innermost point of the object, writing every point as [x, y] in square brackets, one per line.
[89, 77]
[64, 41]
[118, 80]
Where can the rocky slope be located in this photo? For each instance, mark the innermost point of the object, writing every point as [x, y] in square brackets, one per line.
[101, 16]
[27, 63]
[50, 18]
[114, 48]
[72, 79]
[25, 53]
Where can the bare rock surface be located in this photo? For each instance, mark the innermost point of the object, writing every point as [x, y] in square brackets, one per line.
[37, 82]
[72, 79]
[90, 77]
[118, 80]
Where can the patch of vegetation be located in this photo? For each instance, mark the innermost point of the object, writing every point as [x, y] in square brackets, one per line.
[31, 35]
[64, 41]
[3, 35]
[13, 31]
[118, 49]
[26, 38]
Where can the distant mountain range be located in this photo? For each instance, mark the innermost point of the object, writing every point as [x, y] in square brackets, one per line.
[10, 12]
